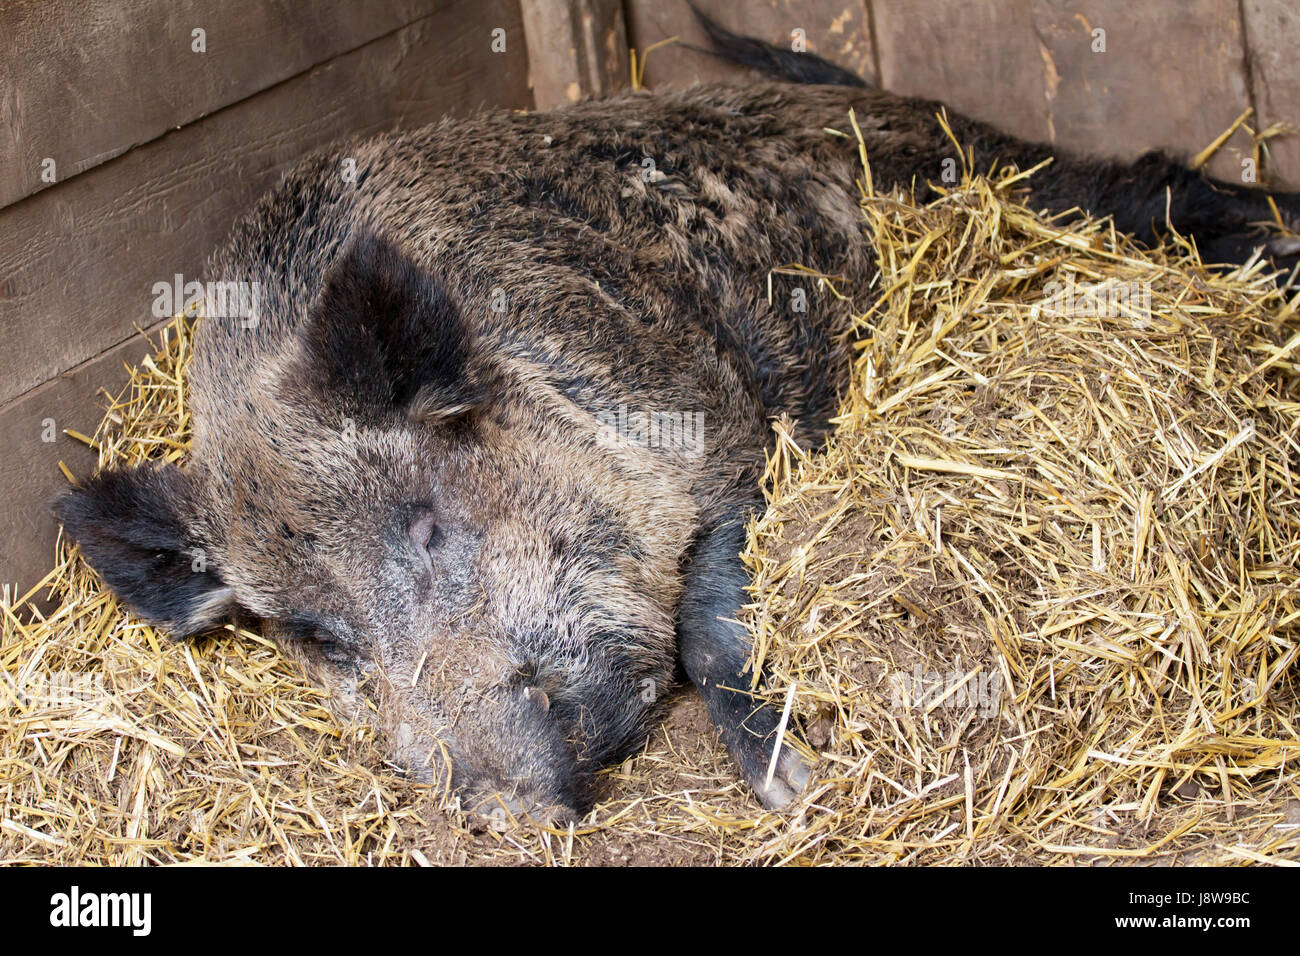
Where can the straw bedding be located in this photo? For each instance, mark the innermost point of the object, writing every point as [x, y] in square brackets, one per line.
[1035, 601]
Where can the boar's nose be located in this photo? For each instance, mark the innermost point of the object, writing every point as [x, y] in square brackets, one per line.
[514, 758]
[504, 811]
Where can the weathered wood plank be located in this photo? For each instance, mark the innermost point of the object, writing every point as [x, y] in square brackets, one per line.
[1157, 76]
[84, 81]
[835, 29]
[1169, 76]
[79, 260]
[1273, 37]
[980, 58]
[576, 48]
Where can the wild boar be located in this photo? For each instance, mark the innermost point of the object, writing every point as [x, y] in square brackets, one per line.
[492, 437]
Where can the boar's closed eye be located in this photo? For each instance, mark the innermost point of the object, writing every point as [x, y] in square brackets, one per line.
[311, 630]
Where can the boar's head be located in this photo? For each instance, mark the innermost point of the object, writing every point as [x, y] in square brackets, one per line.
[420, 519]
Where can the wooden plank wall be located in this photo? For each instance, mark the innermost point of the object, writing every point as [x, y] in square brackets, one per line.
[1172, 74]
[157, 147]
[126, 151]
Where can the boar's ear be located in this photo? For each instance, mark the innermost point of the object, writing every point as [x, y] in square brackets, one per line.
[383, 336]
[133, 527]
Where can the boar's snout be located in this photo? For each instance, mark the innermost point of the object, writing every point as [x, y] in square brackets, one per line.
[511, 754]
[503, 810]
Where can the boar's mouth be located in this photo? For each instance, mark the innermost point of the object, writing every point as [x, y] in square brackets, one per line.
[527, 766]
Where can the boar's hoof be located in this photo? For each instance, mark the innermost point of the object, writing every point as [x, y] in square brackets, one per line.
[791, 776]
[1284, 246]
[749, 729]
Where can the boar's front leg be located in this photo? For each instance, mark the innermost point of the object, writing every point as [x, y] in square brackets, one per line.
[714, 649]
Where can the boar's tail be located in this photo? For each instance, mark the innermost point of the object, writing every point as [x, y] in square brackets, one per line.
[773, 60]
